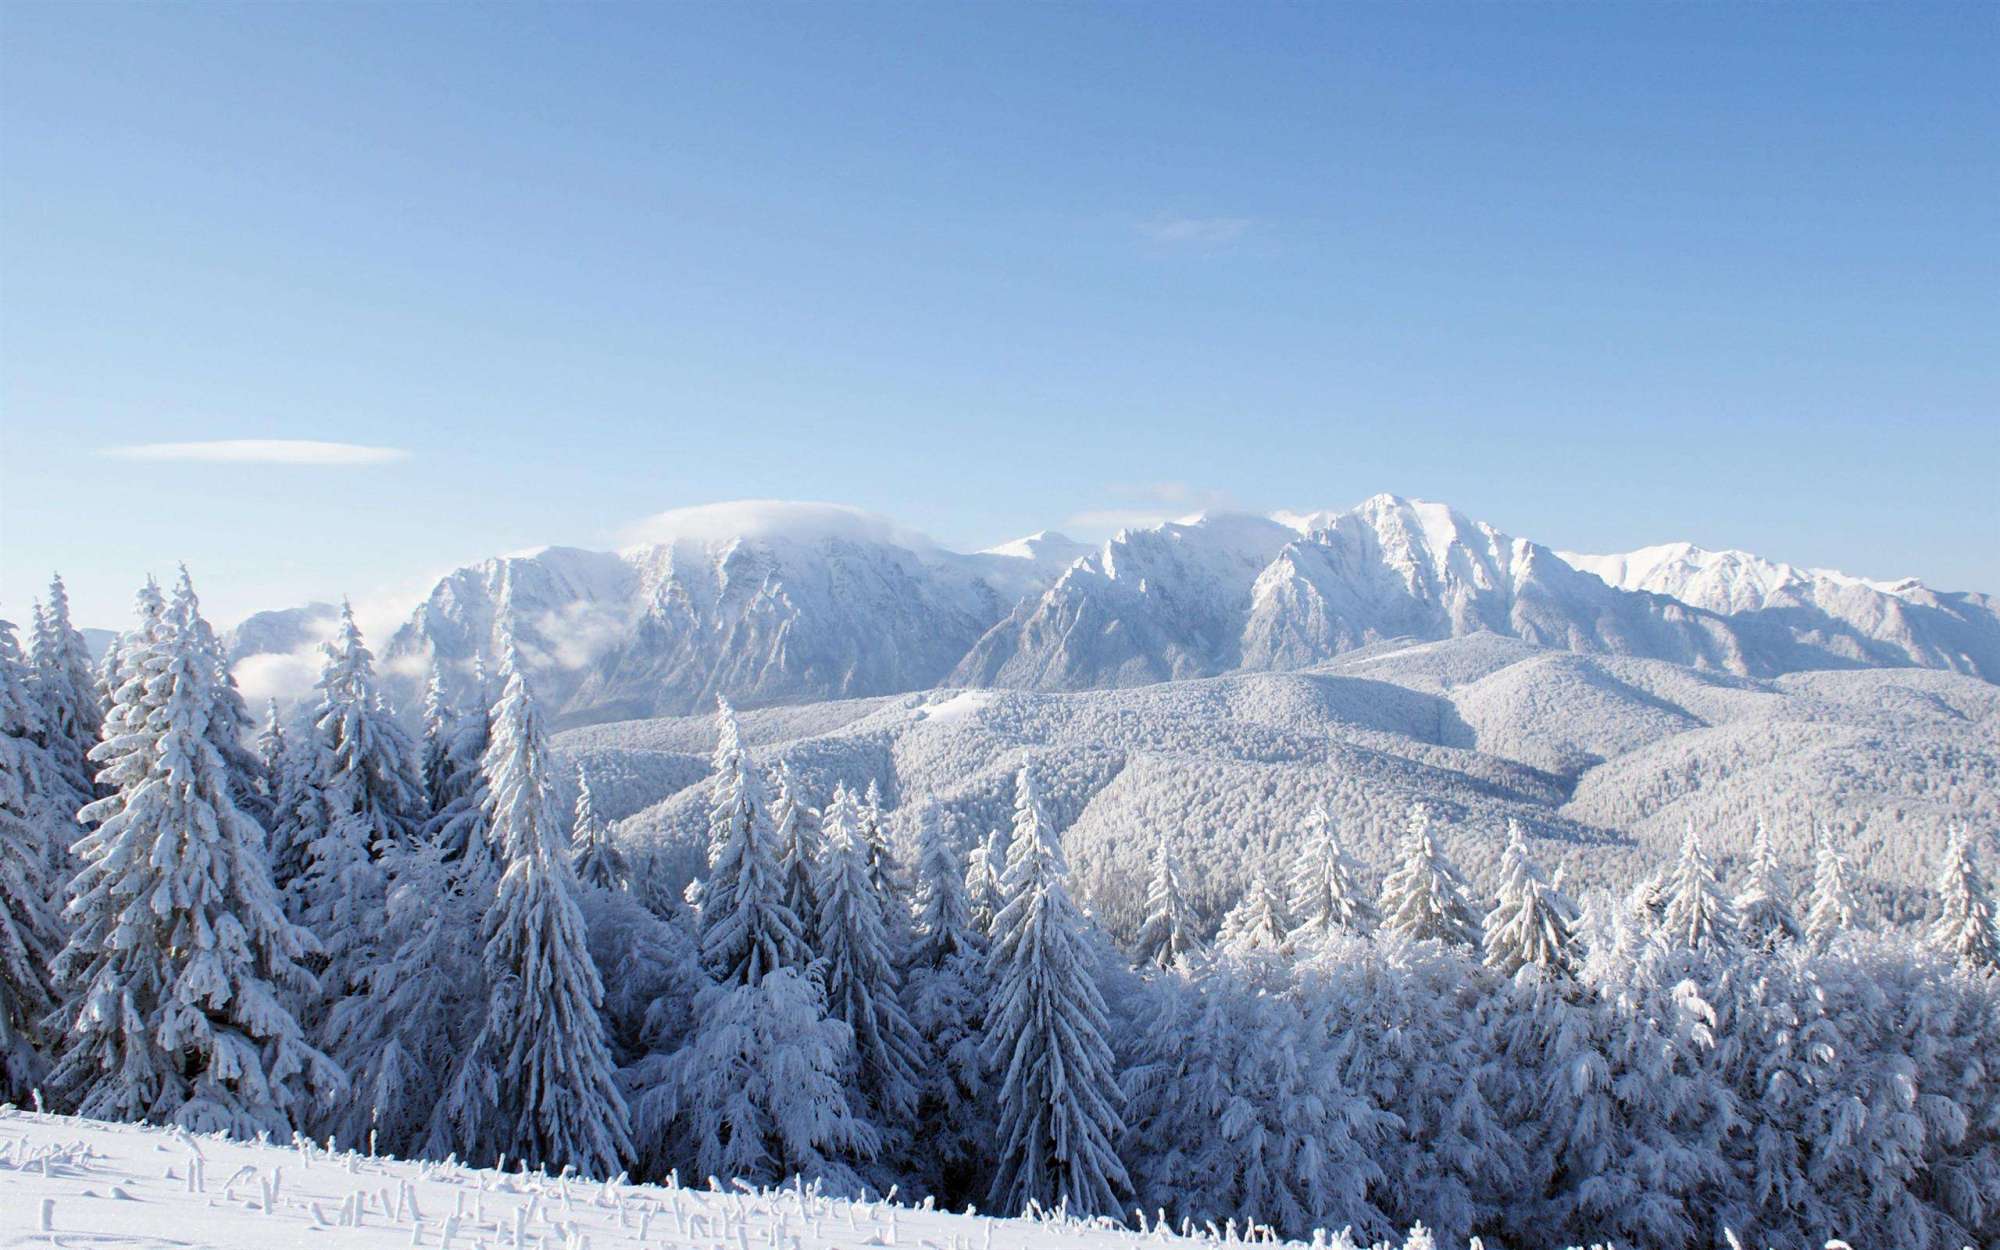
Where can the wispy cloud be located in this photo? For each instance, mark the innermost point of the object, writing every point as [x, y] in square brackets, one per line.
[260, 451]
[1195, 231]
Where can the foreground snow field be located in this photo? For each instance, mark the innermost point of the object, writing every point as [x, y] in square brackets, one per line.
[71, 1182]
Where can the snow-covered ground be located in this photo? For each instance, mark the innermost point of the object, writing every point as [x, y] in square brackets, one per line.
[72, 1182]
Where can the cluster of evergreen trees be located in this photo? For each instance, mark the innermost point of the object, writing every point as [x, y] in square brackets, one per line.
[329, 927]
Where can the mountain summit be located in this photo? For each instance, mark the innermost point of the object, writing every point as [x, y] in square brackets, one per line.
[779, 603]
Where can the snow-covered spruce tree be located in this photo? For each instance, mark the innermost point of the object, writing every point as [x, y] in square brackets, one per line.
[885, 871]
[1834, 909]
[64, 686]
[181, 960]
[746, 928]
[435, 762]
[537, 1082]
[401, 1033]
[946, 992]
[1699, 915]
[599, 863]
[1532, 924]
[757, 1092]
[230, 724]
[985, 865]
[456, 787]
[369, 804]
[1326, 893]
[1045, 1035]
[1258, 922]
[1424, 899]
[1967, 927]
[796, 828]
[1764, 906]
[858, 969]
[274, 750]
[1168, 933]
[29, 934]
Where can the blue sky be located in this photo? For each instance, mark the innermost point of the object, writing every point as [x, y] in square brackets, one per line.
[1601, 275]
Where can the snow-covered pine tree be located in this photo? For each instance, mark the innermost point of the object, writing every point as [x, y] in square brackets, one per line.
[947, 991]
[885, 871]
[1326, 891]
[1045, 1035]
[414, 1013]
[1258, 922]
[1699, 915]
[1169, 932]
[599, 863]
[1532, 924]
[230, 724]
[746, 928]
[757, 1092]
[1425, 898]
[857, 967]
[943, 912]
[64, 686]
[1764, 906]
[985, 865]
[1967, 927]
[1834, 909]
[29, 934]
[456, 787]
[435, 761]
[273, 758]
[181, 960]
[796, 828]
[370, 804]
[537, 1082]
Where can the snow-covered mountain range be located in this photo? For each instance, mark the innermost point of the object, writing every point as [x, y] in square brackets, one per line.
[790, 603]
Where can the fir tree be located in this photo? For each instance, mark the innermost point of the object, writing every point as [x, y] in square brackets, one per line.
[63, 684]
[985, 865]
[436, 764]
[1326, 893]
[1045, 1035]
[599, 863]
[1764, 907]
[537, 1082]
[1834, 910]
[369, 805]
[29, 934]
[1168, 933]
[1699, 915]
[182, 960]
[757, 1093]
[456, 787]
[1258, 922]
[1424, 898]
[943, 911]
[1532, 924]
[947, 992]
[1967, 928]
[413, 1013]
[273, 757]
[746, 928]
[230, 724]
[859, 970]
[796, 828]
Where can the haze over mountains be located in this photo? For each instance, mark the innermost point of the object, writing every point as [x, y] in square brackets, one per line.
[785, 603]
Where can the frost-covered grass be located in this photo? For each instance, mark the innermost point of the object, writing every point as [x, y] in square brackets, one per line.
[73, 1182]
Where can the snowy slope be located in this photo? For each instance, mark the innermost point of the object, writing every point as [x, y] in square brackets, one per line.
[1603, 758]
[73, 1182]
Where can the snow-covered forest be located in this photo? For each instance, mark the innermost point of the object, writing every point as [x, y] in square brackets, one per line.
[415, 945]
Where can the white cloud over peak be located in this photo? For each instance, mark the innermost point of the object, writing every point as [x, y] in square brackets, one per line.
[260, 451]
[763, 518]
